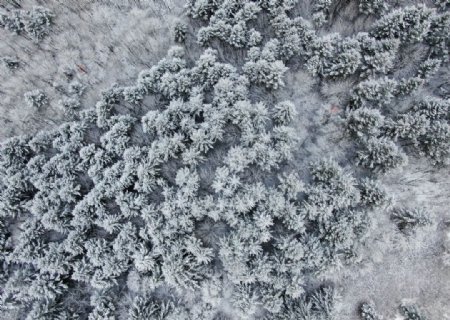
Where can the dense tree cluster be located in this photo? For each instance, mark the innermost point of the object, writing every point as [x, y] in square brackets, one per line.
[332, 56]
[372, 6]
[36, 22]
[100, 206]
[423, 127]
[228, 22]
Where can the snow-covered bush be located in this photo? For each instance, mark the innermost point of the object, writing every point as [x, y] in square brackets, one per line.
[70, 105]
[435, 143]
[411, 312]
[433, 108]
[409, 219]
[284, 112]
[38, 22]
[133, 95]
[321, 11]
[12, 21]
[147, 308]
[76, 88]
[378, 56]
[367, 312]
[10, 62]
[428, 68]
[425, 127]
[201, 8]
[36, 99]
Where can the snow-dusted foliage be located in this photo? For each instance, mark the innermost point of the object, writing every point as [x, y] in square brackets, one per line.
[409, 24]
[411, 312]
[35, 22]
[367, 312]
[408, 219]
[191, 194]
[180, 31]
[228, 22]
[35, 99]
[10, 62]
[372, 6]
[116, 211]
[264, 66]
[423, 127]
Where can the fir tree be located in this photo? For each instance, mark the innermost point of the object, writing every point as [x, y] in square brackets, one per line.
[180, 31]
[380, 155]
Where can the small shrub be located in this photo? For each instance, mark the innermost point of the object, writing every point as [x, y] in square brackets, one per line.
[367, 312]
[10, 62]
[411, 312]
[409, 219]
[36, 99]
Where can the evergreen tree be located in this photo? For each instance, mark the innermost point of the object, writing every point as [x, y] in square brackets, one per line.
[380, 154]
[180, 31]
[364, 122]
[373, 194]
[378, 92]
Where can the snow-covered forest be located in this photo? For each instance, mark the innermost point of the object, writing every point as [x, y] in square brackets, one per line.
[225, 159]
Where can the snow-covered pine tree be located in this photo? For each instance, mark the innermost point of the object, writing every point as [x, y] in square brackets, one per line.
[380, 155]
